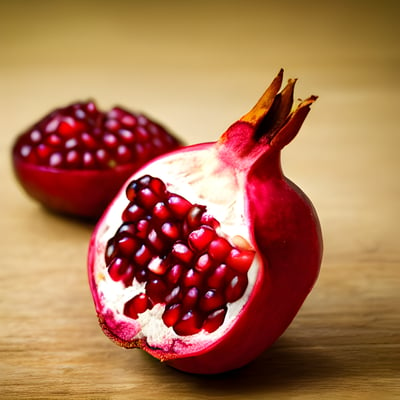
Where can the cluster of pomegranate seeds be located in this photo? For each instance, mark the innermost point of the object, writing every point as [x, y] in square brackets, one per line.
[172, 247]
[80, 136]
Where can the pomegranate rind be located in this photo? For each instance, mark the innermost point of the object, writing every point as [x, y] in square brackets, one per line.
[80, 193]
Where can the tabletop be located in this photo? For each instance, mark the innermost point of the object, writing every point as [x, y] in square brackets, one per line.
[197, 67]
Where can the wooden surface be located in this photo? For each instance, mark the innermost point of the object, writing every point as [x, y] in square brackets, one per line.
[197, 68]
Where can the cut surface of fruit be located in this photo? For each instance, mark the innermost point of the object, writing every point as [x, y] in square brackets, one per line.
[207, 253]
[76, 158]
[177, 258]
[172, 254]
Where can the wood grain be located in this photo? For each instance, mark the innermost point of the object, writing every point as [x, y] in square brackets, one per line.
[197, 68]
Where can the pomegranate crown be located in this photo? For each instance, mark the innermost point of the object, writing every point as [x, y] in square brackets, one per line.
[271, 122]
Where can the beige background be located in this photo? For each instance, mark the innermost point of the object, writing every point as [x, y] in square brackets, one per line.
[197, 67]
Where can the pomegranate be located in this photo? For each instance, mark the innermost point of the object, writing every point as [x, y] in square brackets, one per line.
[75, 159]
[206, 254]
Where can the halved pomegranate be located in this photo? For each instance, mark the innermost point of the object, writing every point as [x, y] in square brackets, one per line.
[206, 254]
[75, 159]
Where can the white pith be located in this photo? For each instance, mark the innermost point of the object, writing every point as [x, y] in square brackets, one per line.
[199, 178]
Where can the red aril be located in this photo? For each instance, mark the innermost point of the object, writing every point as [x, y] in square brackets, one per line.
[75, 159]
[224, 248]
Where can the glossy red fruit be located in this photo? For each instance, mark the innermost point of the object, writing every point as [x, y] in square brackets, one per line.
[227, 248]
[75, 159]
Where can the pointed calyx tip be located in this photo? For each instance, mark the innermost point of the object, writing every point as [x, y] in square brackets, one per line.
[272, 118]
[271, 124]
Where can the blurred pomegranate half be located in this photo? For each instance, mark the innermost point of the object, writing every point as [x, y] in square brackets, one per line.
[75, 159]
[206, 254]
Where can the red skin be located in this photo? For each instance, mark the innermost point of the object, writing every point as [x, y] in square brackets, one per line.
[82, 193]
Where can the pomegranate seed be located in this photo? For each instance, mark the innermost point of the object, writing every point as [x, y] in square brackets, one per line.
[174, 274]
[157, 143]
[137, 305]
[144, 181]
[141, 134]
[88, 160]
[80, 114]
[91, 107]
[116, 113]
[130, 191]
[123, 155]
[156, 290]
[157, 266]
[117, 268]
[128, 275]
[126, 136]
[217, 279]
[26, 150]
[211, 300]
[111, 251]
[214, 320]
[182, 253]
[172, 314]
[69, 126]
[170, 230]
[201, 238]
[179, 206]
[53, 140]
[240, 260]
[71, 143]
[142, 228]
[127, 245]
[73, 159]
[158, 187]
[35, 136]
[102, 157]
[189, 324]
[127, 228]
[193, 217]
[190, 298]
[142, 120]
[43, 151]
[110, 140]
[146, 198]
[133, 213]
[142, 151]
[174, 296]
[219, 249]
[192, 278]
[161, 212]
[129, 120]
[236, 288]
[142, 256]
[88, 141]
[155, 241]
[52, 125]
[141, 275]
[112, 125]
[204, 263]
[56, 160]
